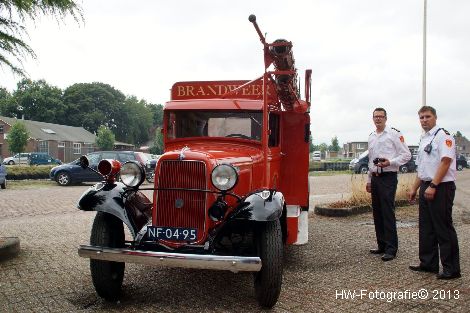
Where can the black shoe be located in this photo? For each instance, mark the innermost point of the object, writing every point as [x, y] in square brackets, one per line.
[419, 268]
[446, 275]
[387, 257]
[376, 251]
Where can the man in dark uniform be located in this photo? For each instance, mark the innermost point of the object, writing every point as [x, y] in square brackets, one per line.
[387, 152]
[436, 183]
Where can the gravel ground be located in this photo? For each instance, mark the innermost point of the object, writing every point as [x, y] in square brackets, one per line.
[323, 276]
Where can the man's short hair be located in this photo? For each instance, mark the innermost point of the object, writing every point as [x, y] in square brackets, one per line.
[426, 108]
[379, 109]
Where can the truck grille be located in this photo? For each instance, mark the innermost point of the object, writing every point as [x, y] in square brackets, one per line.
[182, 208]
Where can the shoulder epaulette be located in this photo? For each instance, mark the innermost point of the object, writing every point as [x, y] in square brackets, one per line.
[395, 129]
[445, 131]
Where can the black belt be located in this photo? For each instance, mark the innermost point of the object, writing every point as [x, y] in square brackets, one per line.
[382, 174]
[427, 182]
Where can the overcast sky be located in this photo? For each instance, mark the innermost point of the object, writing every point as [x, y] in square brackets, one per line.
[363, 54]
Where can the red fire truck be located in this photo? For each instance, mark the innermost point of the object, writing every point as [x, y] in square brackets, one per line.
[230, 190]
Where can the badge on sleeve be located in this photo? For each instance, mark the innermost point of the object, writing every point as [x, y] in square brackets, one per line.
[402, 139]
[448, 143]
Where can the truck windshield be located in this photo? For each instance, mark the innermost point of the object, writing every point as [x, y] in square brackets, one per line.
[234, 124]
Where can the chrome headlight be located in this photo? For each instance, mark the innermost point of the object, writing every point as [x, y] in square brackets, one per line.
[132, 174]
[224, 177]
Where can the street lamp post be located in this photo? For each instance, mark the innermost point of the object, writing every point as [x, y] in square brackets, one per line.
[424, 52]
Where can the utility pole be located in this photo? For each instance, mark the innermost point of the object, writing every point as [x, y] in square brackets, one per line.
[424, 52]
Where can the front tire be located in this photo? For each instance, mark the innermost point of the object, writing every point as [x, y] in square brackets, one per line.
[459, 167]
[268, 280]
[107, 276]
[404, 169]
[11, 162]
[363, 170]
[63, 179]
[4, 184]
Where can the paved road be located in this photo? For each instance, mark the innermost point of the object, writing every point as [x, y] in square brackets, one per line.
[48, 276]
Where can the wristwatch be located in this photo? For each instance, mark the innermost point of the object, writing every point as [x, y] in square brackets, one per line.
[432, 185]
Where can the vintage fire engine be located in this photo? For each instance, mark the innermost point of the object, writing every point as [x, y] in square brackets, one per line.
[230, 190]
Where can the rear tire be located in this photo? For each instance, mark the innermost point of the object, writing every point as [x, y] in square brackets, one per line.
[404, 169]
[107, 276]
[4, 185]
[268, 280]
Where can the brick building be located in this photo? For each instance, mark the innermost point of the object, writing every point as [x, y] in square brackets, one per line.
[63, 142]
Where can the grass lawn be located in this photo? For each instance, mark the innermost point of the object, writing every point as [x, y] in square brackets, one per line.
[36, 183]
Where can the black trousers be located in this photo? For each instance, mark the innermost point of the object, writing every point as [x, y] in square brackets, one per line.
[436, 231]
[383, 192]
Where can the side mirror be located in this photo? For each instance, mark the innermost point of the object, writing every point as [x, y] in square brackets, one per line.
[84, 163]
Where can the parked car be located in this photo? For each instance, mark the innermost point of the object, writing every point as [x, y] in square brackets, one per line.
[316, 156]
[361, 164]
[40, 158]
[461, 162]
[69, 173]
[19, 158]
[150, 168]
[3, 176]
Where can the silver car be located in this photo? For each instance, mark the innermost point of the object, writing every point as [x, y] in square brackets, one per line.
[19, 158]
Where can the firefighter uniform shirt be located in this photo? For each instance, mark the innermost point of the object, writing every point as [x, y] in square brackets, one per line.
[439, 143]
[390, 145]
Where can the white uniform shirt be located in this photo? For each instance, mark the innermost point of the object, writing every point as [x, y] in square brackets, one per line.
[390, 145]
[443, 145]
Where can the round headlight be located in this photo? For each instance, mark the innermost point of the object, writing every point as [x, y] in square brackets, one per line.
[132, 174]
[224, 177]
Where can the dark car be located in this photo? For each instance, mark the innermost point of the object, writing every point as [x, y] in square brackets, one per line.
[3, 176]
[72, 172]
[39, 158]
[461, 162]
[361, 164]
[150, 168]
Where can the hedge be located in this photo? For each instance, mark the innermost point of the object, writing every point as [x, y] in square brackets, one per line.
[328, 166]
[18, 172]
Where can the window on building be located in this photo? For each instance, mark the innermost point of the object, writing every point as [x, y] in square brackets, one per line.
[44, 146]
[1, 129]
[77, 148]
[61, 144]
[88, 147]
[360, 145]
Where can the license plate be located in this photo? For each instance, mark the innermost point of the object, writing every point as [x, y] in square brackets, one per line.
[172, 233]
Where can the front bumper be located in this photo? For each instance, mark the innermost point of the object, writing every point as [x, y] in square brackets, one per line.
[166, 259]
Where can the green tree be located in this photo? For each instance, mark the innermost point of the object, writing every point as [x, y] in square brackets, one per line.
[157, 114]
[13, 15]
[39, 101]
[90, 105]
[105, 138]
[17, 138]
[5, 100]
[458, 134]
[323, 147]
[158, 143]
[138, 122]
[334, 144]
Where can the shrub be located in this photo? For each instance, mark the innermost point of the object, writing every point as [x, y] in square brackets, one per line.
[17, 172]
[360, 197]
